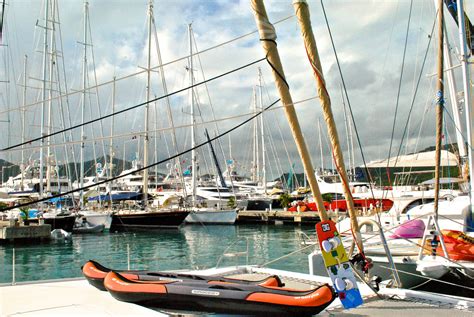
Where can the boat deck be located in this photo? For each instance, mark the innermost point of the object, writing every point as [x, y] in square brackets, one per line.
[398, 307]
[75, 297]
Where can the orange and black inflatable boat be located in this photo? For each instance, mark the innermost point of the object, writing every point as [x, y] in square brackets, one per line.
[95, 274]
[219, 297]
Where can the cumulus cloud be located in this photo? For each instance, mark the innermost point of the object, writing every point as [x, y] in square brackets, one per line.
[369, 37]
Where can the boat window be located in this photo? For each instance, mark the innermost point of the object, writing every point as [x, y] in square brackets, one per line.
[215, 190]
[417, 202]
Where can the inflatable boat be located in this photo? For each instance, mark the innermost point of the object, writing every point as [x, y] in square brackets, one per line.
[219, 297]
[95, 274]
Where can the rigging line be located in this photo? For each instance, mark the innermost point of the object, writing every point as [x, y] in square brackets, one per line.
[148, 166]
[359, 245]
[416, 90]
[155, 68]
[420, 124]
[427, 278]
[138, 105]
[457, 128]
[397, 103]
[140, 133]
[347, 97]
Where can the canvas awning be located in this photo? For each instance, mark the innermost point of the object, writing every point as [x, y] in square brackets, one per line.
[120, 196]
[423, 159]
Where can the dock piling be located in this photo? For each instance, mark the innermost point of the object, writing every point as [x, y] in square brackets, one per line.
[13, 267]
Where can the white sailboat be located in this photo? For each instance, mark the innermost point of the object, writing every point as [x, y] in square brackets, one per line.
[200, 213]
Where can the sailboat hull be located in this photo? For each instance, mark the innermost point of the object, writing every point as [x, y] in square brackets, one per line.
[147, 220]
[218, 217]
[65, 223]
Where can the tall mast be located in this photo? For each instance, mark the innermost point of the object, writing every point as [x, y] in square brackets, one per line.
[262, 128]
[346, 124]
[23, 119]
[321, 145]
[467, 96]
[193, 132]
[439, 103]
[147, 107]
[168, 107]
[50, 99]
[302, 12]
[351, 139]
[452, 96]
[83, 107]
[43, 103]
[255, 140]
[155, 152]
[111, 146]
[268, 37]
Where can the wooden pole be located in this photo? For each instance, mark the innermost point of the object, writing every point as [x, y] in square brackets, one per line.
[302, 13]
[268, 38]
[439, 104]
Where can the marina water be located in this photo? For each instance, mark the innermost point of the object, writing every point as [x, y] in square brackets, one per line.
[190, 247]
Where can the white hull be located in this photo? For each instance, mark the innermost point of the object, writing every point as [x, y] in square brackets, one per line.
[212, 217]
[98, 218]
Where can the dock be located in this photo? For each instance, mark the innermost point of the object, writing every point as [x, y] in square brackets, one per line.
[10, 232]
[277, 216]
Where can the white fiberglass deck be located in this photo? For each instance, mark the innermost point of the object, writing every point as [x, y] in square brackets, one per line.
[77, 298]
[64, 298]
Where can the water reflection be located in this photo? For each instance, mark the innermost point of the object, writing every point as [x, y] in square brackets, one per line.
[190, 247]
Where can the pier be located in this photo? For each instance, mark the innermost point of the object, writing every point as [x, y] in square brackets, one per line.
[10, 232]
[277, 216]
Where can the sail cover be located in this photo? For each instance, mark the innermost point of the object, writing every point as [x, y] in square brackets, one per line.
[422, 159]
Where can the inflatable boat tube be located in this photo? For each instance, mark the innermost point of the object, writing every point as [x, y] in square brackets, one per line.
[95, 274]
[244, 299]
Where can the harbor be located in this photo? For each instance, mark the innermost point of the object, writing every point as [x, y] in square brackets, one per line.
[170, 249]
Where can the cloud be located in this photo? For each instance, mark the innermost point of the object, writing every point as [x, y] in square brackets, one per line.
[369, 37]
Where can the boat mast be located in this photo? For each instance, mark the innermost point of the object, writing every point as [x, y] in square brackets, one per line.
[264, 172]
[302, 12]
[43, 90]
[454, 100]
[321, 147]
[23, 119]
[346, 125]
[439, 104]
[50, 98]
[83, 108]
[147, 107]
[193, 132]
[168, 108]
[267, 38]
[255, 139]
[467, 96]
[351, 139]
[111, 147]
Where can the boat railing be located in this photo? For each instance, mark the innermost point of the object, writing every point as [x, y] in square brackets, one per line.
[305, 238]
[227, 254]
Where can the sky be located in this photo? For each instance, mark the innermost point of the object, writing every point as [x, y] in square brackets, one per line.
[369, 37]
